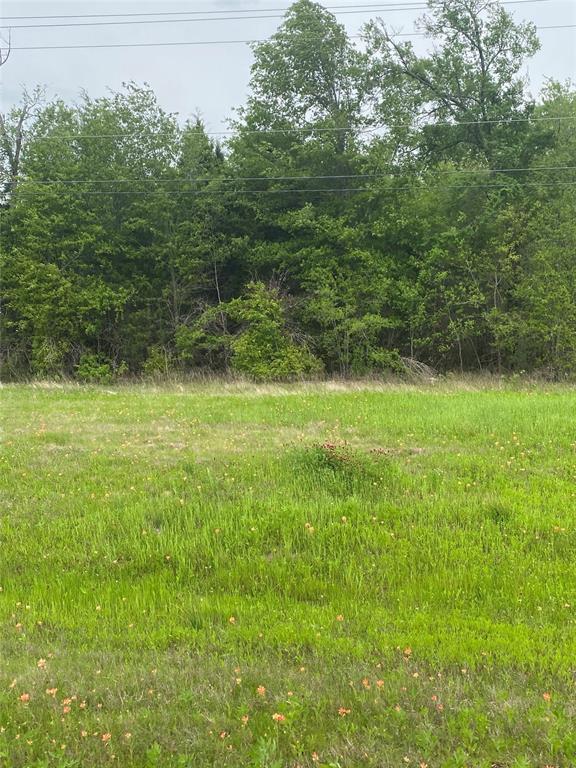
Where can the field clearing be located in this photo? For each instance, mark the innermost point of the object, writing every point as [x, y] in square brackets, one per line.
[308, 575]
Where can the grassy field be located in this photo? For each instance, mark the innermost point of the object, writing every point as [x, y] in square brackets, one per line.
[299, 576]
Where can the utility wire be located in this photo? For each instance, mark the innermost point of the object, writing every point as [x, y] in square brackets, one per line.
[260, 15]
[298, 178]
[211, 42]
[405, 6]
[311, 129]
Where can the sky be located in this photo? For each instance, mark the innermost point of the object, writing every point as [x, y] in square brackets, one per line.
[209, 80]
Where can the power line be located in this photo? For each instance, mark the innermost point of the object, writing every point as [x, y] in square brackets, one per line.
[405, 6]
[320, 190]
[309, 129]
[211, 42]
[298, 178]
[260, 15]
[335, 9]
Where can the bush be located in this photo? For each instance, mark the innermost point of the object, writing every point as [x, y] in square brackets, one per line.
[264, 350]
[158, 363]
[206, 343]
[187, 342]
[94, 369]
[387, 360]
[265, 357]
[48, 358]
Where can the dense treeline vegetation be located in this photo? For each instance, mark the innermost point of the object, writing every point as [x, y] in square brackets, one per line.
[370, 205]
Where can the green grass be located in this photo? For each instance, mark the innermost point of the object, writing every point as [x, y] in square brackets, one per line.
[404, 555]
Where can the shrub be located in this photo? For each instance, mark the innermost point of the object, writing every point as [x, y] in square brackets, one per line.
[387, 360]
[94, 369]
[264, 349]
[48, 357]
[206, 343]
[158, 363]
[188, 341]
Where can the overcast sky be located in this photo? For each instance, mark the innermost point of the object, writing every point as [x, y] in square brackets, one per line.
[209, 79]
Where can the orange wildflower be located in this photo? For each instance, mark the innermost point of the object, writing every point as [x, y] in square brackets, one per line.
[342, 711]
[546, 696]
[25, 698]
[261, 690]
[106, 737]
[278, 718]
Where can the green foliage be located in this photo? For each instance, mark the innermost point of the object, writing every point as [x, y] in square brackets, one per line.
[448, 240]
[188, 342]
[158, 362]
[386, 360]
[263, 349]
[48, 357]
[471, 75]
[296, 83]
[94, 369]
[206, 343]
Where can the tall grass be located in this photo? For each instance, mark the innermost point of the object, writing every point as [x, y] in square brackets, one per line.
[281, 576]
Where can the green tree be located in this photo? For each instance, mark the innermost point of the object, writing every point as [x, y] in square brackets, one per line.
[472, 77]
[84, 232]
[14, 128]
[364, 184]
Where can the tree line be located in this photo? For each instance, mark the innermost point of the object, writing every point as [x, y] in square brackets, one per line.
[370, 207]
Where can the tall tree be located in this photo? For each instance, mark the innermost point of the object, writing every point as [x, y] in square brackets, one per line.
[84, 232]
[307, 75]
[471, 77]
[14, 127]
